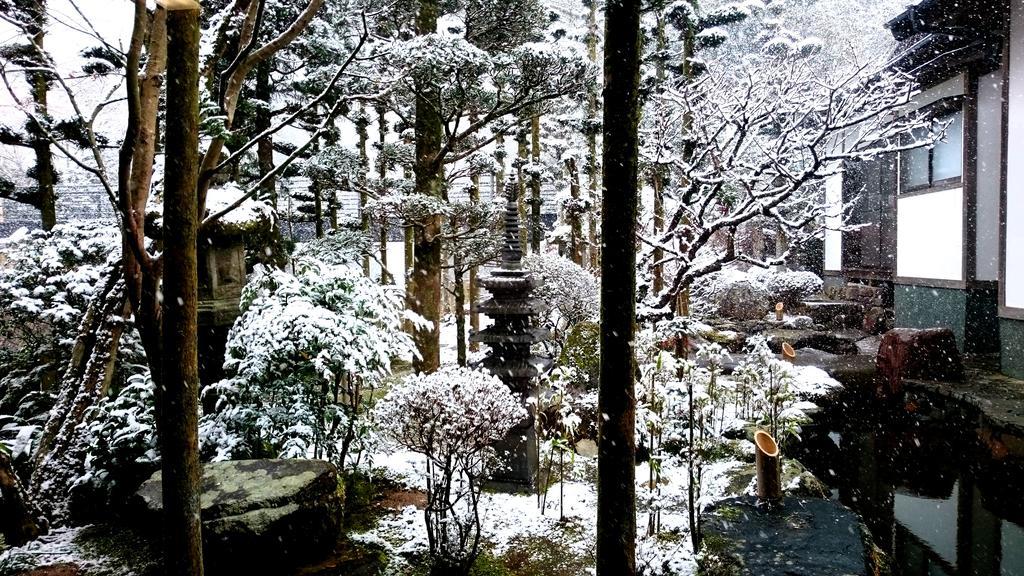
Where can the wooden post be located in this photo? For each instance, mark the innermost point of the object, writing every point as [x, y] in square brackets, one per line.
[769, 469]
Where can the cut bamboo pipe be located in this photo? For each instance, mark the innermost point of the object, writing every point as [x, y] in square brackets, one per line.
[769, 471]
[779, 309]
[788, 353]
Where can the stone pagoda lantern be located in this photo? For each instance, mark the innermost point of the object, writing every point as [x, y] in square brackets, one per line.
[514, 312]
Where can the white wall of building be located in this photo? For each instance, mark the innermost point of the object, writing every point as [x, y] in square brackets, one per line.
[833, 223]
[929, 235]
[990, 173]
[1014, 281]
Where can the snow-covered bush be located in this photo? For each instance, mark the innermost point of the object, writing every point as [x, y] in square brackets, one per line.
[751, 295]
[46, 282]
[302, 358]
[731, 294]
[453, 417]
[120, 433]
[788, 287]
[571, 293]
[581, 355]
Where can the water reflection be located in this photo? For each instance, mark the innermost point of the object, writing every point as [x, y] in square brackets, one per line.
[940, 493]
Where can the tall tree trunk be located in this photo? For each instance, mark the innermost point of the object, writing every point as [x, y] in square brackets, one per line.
[658, 178]
[460, 307]
[265, 145]
[86, 381]
[362, 124]
[521, 160]
[536, 226]
[425, 296]
[594, 248]
[382, 174]
[45, 173]
[474, 289]
[616, 487]
[575, 216]
[499, 158]
[178, 386]
[318, 208]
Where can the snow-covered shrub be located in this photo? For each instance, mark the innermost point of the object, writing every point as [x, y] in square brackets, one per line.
[731, 294]
[453, 417]
[581, 355]
[302, 359]
[571, 293]
[46, 282]
[788, 287]
[120, 433]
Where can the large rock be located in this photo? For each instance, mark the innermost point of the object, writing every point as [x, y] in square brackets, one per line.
[907, 353]
[833, 314]
[833, 342]
[260, 511]
[743, 299]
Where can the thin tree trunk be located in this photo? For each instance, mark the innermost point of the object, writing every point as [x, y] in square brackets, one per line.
[382, 174]
[460, 308]
[536, 226]
[424, 298]
[575, 216]
[474, 289]
[658, 179]
[178, 386]
[84, 383]
[616, 488]
[523, 157]
[265, 145]
[499, 158]
[364, 168]
[45, 173]
[318, 209]
[594, 247]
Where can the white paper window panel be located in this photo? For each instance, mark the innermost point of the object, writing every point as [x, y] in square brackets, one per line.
[990, 153]
[948, 155]
[952, 87]
[833, 222]
[929, 235]
[1014, 287]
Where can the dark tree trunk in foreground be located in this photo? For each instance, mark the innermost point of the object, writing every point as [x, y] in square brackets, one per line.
[262, 122]
[425, 280]
[616, 488]
[178, 386]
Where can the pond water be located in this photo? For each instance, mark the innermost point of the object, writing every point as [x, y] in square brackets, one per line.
[940, 493]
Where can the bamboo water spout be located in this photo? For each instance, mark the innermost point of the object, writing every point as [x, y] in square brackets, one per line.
[769, 469]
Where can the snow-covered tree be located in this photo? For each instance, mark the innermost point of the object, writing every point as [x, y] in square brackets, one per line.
[453, 417]
[753, 138]
[468, 89]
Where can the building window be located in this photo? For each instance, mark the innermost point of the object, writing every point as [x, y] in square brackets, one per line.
[941, 164]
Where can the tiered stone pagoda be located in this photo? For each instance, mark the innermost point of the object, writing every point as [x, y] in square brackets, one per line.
[514, 312]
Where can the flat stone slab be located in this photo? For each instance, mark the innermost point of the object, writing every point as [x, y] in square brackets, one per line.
[805, 537]
[260, 510]
[999, 398]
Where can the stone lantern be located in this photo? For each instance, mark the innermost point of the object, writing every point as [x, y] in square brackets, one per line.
[511, 336]
[222, 275]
